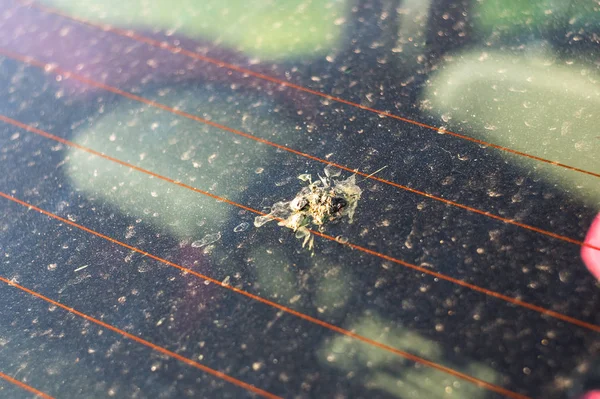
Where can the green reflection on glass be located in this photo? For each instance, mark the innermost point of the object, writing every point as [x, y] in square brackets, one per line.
[380, 370]
[267, 29]
[185, 150]
[535, 104]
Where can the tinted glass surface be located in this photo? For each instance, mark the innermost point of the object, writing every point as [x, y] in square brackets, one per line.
[140, 140]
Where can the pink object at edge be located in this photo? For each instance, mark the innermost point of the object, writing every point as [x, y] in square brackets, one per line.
[591, 395]
[591, 258]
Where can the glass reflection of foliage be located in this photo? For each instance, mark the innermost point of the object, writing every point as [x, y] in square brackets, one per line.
[266, 29]
[181, 149]
[382, 371]
[530, 98]
[322, 287]
[535, 18]
[536, 104]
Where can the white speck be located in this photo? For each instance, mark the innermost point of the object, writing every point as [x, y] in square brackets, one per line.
[257, 366]
[130, 231]
[112, 137]
[225, 281]
[241, 227]
[154, 194]
[208, 239]
[208, 249]
[582, 146]
[50, 67]
[341, 240]
[52, 266]
[80, 268]
[564, 276]
[186, 155]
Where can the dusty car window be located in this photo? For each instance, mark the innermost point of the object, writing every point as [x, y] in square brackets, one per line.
[431, 168]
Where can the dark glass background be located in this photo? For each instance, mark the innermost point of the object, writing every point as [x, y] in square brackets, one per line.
[523, 75]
